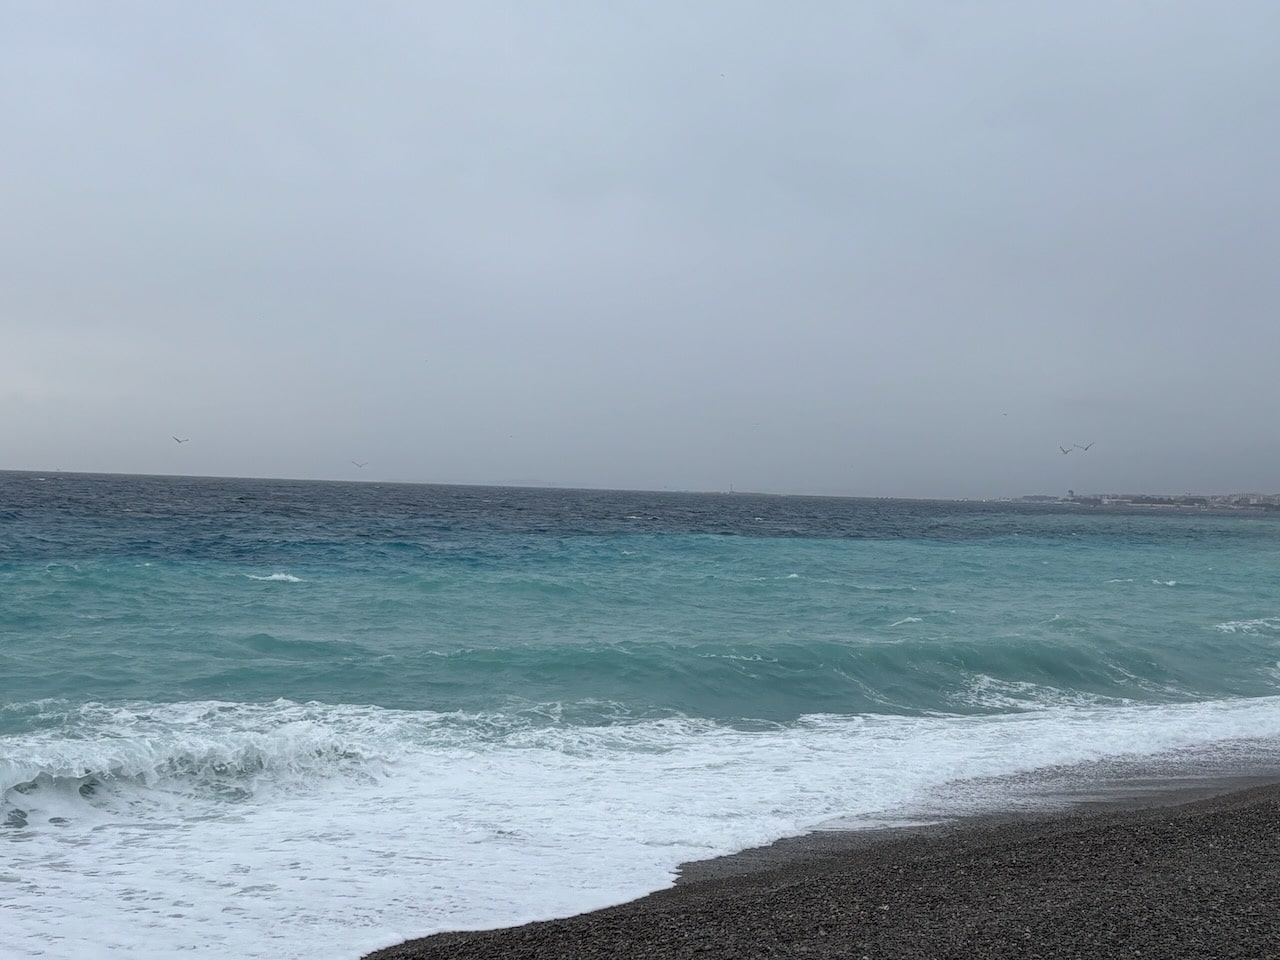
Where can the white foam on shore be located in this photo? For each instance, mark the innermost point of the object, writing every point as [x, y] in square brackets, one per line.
[298, 830]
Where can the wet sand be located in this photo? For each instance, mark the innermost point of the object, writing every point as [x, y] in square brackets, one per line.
[1172, 873]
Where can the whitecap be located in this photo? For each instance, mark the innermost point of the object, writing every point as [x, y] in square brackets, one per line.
[989, 692]
[1253, 627]
[277, 577]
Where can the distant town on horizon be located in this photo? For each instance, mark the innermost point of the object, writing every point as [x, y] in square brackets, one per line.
[1188, 501]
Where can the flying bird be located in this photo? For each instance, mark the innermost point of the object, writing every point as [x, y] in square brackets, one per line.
[359, 464]
[1064, 449]
[1086, 446]
[181, 439]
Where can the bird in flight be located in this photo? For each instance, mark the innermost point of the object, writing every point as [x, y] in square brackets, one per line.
[181, 439]
[1064, 449]
[360, 465]
[1086, 446]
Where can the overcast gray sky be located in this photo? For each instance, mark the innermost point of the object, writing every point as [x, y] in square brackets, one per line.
[838, 247]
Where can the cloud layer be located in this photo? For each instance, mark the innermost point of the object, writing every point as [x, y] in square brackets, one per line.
[838, 250]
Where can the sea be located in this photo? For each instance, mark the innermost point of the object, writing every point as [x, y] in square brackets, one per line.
[270, 718]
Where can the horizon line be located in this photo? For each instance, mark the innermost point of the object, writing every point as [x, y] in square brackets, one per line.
[537, 485]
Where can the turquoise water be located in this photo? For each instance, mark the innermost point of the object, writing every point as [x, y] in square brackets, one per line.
[278, 701]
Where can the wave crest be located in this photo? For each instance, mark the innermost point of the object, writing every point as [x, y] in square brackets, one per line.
[226, 750]
[1252, 627]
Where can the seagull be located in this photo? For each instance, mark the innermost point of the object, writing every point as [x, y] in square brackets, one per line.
[1086, 446]
[1064, 449]
[182, 439]
[359, 464]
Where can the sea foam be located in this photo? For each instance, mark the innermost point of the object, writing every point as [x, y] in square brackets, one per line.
[269, 814]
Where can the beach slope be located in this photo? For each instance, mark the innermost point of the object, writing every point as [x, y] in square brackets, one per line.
[1198, 879]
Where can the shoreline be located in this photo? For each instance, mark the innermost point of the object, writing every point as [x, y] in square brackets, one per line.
[1171, 869]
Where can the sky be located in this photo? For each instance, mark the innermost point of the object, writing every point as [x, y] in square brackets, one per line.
[851, 248]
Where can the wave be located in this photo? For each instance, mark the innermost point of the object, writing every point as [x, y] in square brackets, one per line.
[1251, 627]
[992, 693]
[909, 665]
[892, 658]
[219, 748]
